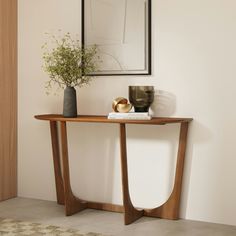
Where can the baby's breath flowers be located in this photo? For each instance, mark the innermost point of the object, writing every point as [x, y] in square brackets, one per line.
[68, 64]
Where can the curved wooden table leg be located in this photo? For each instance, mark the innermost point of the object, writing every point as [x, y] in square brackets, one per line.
[72, 203]
[57, 163]
[170, 209]
[130, 212]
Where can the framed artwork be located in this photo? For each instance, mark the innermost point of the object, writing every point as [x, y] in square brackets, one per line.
[121, 29]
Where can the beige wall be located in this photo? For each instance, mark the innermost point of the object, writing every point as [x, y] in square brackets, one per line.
[193, 64]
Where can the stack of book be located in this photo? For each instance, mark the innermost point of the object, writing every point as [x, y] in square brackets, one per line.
[130, 115]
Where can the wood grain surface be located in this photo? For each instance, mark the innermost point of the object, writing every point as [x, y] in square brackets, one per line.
[103, 119]
[8, 98]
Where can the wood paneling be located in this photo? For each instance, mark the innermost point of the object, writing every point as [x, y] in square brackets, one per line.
[8, 98]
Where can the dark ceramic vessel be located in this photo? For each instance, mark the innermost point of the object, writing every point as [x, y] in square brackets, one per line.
[70, 103]
[141, 97]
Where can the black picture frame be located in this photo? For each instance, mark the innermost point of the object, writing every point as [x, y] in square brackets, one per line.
[147, 45]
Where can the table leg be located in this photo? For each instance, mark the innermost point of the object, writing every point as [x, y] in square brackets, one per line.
[72, 203]
[130, 212]
[170, 209]
[57, 163]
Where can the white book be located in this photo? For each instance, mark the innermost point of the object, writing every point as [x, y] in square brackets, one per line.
[130, 116]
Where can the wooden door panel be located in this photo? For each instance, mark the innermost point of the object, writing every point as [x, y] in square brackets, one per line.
[8, 98]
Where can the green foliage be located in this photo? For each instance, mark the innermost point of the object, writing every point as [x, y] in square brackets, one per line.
[68, 64]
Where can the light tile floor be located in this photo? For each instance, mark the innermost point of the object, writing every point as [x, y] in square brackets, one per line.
[108, 223]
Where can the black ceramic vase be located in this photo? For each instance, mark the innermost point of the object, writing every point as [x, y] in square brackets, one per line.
[70, 103]
[141, 97]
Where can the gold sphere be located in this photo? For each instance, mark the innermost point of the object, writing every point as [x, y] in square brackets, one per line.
[124, 107]
[119, 100]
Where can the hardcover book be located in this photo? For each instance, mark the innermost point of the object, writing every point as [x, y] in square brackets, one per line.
[130, 115]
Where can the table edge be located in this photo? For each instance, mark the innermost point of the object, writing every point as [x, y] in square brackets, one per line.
[104, 119]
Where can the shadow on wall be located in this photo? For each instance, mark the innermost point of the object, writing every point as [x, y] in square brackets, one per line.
[198, 134]
[92, 151]
[151, 148]
[164, 103]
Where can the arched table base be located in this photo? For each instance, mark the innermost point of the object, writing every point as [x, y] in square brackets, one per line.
[170, 209]
[131, 213]
[65, 196]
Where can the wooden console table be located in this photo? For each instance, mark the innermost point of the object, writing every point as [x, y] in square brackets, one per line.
[65, 196]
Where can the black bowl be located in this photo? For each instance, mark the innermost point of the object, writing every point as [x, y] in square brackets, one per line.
[141, 97]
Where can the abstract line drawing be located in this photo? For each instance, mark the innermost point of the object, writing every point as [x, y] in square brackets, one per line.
[121, 31]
